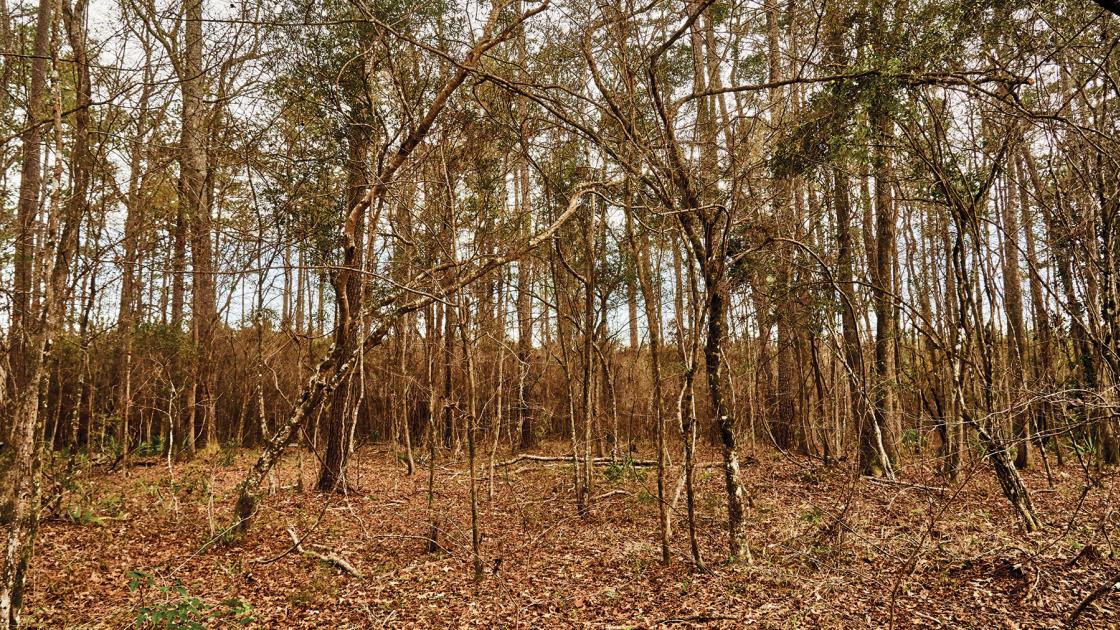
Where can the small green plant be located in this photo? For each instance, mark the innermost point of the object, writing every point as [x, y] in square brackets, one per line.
[108, 508]
[913, 439]
[110, 447]
[192, 485]
[315, 590]
[812, 516]
[179, 610]
[228, 454]
[810, 476]
[623, 469]
[151, 448]
[63, 471]
[82, 515]
[615, 472]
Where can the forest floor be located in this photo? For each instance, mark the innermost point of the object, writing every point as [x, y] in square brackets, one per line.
[829, 550]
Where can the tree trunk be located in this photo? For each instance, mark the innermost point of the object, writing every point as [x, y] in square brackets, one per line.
[194, 174]
[1013, 307]
[27, 208]
[651, 299]
[347, 283]
[20, 472]
[882, 270]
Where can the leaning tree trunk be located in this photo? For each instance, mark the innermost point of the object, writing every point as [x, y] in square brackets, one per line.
[964, 217]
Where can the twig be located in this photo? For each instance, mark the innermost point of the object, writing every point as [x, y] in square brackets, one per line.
[1111, 583]
[330, 557]
[696, 619]
[904, 484]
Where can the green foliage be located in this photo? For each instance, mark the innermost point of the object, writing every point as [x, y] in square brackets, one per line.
[623, 470]
[61, 472]
[315, 590]
[110, 446]
[192, 484]
[151, 448]
[108, 508]
[66, 496]
[822, 132]
[162, 339]
[179, 610]
[812, 516]
[810, 476]
[913, 439]
[227, 454]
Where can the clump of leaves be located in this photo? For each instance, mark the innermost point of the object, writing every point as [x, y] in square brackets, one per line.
[820, 134]
[179, 610]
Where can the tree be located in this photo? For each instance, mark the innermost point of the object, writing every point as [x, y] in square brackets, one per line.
[36, 328]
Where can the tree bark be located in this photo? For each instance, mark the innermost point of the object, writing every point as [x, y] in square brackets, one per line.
[20, 469]
[1013, 307]
[194, 174]
[347, 284]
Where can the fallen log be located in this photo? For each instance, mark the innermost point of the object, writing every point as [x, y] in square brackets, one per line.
[330, 557]
[598, 461]
[561, 459]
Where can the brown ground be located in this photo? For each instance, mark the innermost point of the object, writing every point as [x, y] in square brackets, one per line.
[953, 559]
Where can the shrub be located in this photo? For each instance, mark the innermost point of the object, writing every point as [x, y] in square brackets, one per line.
[179, 610]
